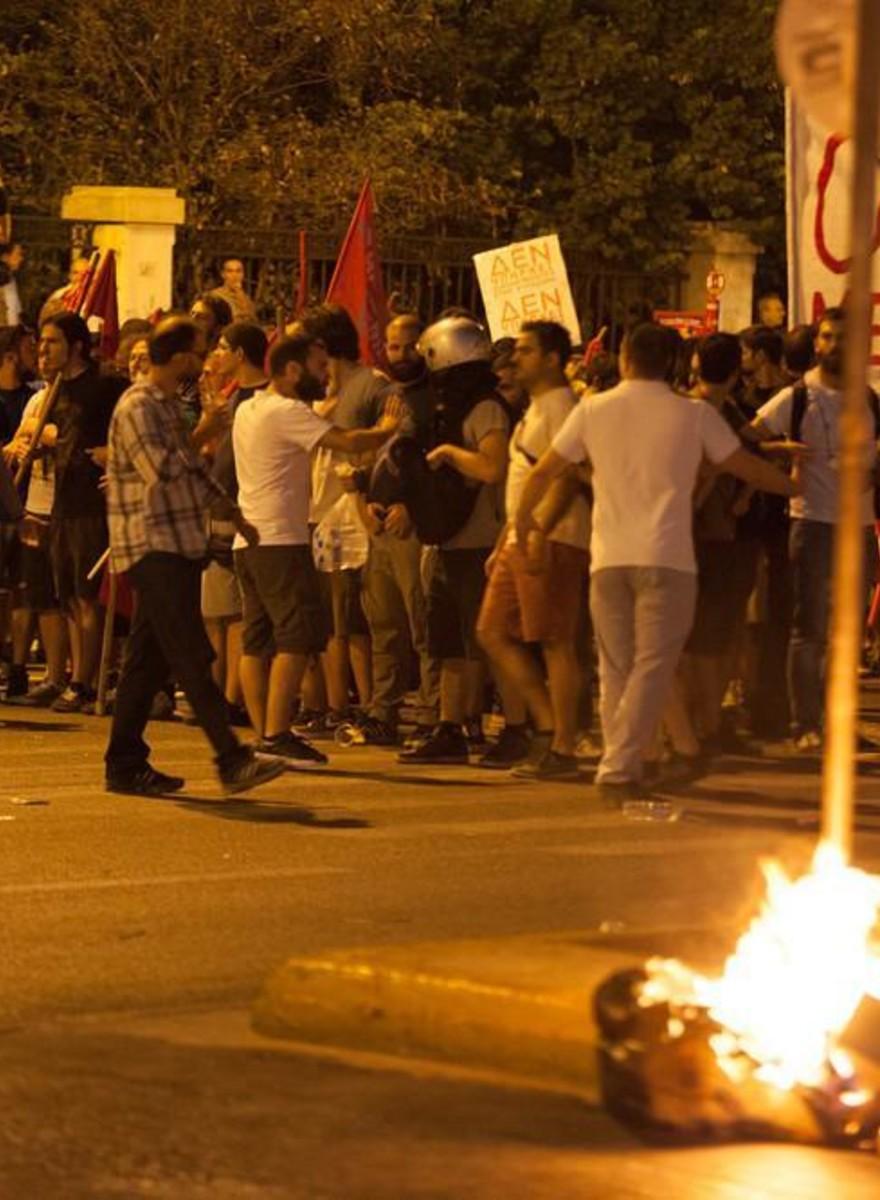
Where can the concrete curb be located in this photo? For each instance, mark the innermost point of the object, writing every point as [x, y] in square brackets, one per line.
[520, 1005]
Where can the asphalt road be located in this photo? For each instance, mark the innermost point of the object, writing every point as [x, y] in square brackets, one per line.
[122, 917]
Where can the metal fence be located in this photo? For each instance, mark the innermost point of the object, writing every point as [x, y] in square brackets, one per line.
[424, 275]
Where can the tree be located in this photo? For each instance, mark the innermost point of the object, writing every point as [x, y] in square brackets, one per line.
[615, 121]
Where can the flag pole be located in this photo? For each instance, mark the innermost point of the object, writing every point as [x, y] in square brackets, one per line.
[842, 695]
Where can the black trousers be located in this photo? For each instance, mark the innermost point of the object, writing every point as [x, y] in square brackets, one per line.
[167, 638]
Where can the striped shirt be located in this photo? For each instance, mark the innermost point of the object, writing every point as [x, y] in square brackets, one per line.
[159, 492]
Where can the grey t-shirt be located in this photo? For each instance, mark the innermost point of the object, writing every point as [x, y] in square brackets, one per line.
[480, 531]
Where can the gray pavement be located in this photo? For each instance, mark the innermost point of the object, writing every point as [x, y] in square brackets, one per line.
[117, 910]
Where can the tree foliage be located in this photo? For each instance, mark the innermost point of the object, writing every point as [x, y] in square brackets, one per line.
[615, 121]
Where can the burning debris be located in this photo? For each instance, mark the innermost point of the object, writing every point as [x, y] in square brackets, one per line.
[756, 1051]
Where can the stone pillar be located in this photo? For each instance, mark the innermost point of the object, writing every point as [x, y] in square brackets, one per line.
[734, 255]
[139, 224]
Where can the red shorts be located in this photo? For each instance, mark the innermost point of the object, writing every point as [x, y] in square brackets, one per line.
[546, 607]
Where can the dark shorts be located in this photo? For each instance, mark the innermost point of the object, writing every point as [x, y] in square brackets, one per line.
[281, 601]
[725, 579]
[341, 598]
[10, 560]
[75, 545]
[38, 580]
[455, 585]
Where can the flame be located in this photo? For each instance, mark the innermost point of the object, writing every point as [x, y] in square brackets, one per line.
[796, 978]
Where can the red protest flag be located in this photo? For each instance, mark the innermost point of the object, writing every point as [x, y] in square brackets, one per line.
[357, 280]
[101, 301]
[75, 295]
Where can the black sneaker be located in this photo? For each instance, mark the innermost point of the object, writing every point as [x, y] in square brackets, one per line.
[418, 734]
[615, 794]
[238, 716]
[511, 748]
[43, 695]
[145, 782]
[680, 769]
[473, 731]
[74, 699]
[446, 745]
[290, 746]
[16, 682]
[249, 771]
[367, 731]
[551, 766]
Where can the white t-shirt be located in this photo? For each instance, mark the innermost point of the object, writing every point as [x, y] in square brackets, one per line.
[41, 486]
[272, 438]
[544, 417]
[645, 443]
[820, 430]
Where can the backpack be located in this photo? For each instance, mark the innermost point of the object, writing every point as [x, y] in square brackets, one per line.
[440, 502]
[799, 397]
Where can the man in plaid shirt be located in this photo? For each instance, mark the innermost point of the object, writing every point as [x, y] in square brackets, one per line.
[159, 494]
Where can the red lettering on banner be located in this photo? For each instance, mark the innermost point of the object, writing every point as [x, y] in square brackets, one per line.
[839, 266]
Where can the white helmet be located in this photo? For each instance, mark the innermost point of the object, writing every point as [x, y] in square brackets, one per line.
[453, 341]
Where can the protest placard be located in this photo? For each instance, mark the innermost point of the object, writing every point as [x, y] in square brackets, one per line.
[526, 281]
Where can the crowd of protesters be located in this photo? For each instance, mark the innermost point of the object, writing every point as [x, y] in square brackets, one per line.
[322, 550]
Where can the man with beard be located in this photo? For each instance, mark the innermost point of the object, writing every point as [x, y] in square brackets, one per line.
[762, 370]
[273, 435]
[78, 530]
[355, 391]
[393, 595]
[809, 413]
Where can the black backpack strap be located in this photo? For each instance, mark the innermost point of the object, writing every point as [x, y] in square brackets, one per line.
[798, 408]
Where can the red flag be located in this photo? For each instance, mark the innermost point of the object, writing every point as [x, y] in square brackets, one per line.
[101, 301]
[357, 280]
[75, 295]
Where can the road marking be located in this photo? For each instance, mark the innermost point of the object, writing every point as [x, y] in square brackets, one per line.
[98, 885]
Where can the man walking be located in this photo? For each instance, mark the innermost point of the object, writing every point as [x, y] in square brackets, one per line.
[158, 495]
[644, 444]
[537, 595]
[273, 436]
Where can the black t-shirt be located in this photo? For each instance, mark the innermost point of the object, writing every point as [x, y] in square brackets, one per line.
[82, 415]
[12, 405]
[224, 457]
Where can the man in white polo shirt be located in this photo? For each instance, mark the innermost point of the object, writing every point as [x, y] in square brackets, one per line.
[645, 444]
[273, 435]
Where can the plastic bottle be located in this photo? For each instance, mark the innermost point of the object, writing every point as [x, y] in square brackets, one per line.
[650, 810]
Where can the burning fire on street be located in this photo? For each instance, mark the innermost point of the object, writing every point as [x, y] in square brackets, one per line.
[756, 1051]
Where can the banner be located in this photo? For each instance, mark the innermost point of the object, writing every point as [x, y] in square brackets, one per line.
[357, 280]
[526, 281]
[819, 166]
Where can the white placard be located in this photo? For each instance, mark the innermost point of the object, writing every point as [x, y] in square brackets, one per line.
[819, 169]
[526, 281]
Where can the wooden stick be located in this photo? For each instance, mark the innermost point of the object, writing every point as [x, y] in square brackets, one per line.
[42, 420]
[106, 646]
[99, 564]
[838, 779]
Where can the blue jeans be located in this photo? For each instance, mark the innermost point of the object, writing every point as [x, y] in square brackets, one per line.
[810, 547]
